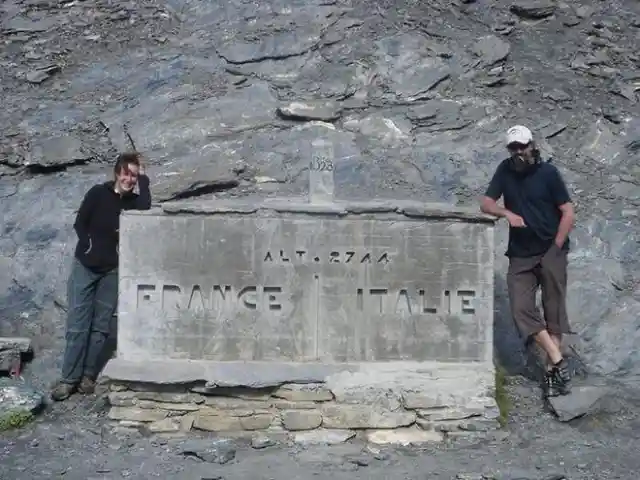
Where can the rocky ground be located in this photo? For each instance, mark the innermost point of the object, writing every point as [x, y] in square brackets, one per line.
[534, 446]
[415, 96]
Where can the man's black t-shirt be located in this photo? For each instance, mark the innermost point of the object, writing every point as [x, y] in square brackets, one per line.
[535, 196]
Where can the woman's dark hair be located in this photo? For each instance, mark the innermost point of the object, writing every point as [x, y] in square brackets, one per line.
[124, 159]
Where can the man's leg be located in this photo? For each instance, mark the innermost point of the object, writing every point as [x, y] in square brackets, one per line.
[106, 302]
[553, 279]
[550, 345]
[522, 281]
[80, 298]
[557, 339]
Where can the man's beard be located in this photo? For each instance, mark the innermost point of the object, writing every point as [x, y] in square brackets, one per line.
[521, 164]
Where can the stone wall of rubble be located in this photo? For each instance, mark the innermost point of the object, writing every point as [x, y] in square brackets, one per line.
[299, 413]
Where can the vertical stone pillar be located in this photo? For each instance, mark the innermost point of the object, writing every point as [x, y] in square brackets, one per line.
[321, 171]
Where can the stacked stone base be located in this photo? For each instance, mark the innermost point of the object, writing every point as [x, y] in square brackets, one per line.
[295, 413]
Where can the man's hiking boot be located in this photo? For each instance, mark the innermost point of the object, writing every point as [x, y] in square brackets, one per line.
[61, 391]
[558, 380]
[87, 386]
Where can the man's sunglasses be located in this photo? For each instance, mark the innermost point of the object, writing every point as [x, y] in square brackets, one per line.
[518, 147]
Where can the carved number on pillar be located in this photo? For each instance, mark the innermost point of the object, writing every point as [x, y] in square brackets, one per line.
[320, 164]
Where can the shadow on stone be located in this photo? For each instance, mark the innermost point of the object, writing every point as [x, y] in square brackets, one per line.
[111, 345]
[508, 346]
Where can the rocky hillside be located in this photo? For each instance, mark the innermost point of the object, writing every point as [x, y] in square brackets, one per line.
[224, 99]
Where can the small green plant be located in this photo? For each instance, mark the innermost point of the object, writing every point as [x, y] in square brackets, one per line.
[15, 419]
[501, 396]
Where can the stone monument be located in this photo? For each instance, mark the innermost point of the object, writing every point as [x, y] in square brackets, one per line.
[313, 319]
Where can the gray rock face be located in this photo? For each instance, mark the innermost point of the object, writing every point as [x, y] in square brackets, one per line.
[422, 116]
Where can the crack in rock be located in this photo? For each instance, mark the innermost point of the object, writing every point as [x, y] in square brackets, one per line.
[201, 188]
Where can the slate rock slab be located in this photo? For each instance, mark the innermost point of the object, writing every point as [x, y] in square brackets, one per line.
[219, 451]
[11, 352]
[491, 49]
[56, 151]
[277, 38]
[582, 401]
[533, 10]
[18, 397]
[411, 76]
[315, 110]
[41, 74]
[323, 437]
[19, 344]
[22, 24]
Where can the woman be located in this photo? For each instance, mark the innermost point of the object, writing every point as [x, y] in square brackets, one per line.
[92, 288]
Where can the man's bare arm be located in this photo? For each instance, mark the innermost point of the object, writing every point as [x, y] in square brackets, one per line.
[566, 223]
[490, 206]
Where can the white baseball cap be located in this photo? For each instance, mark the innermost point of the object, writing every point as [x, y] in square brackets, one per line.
[519, 134]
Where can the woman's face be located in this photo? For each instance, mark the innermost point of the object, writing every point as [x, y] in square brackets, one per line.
[127, 179]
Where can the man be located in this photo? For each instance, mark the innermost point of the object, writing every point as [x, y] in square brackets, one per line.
[540, 213]
[92, 288]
